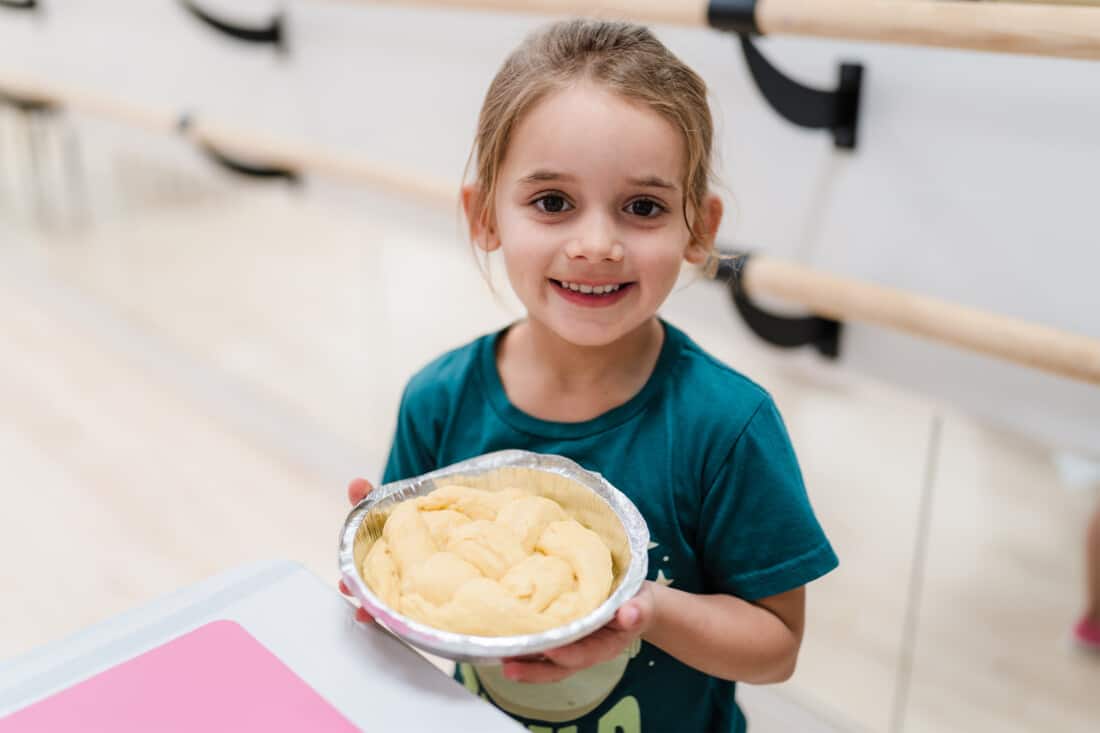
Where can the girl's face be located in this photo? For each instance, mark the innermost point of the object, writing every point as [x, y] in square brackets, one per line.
[589, 214]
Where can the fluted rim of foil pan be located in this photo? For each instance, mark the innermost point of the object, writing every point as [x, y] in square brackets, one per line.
[484, 649]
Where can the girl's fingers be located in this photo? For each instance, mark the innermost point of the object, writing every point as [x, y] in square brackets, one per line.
[535, 672]
[627, 618]
[360, 614]
[600, 646]
[357, 489]
[557, 664]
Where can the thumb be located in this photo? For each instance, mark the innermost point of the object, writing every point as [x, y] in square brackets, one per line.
[629, 616]
[357, 489]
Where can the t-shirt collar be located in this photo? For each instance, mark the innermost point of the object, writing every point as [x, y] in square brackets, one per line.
[520, 420]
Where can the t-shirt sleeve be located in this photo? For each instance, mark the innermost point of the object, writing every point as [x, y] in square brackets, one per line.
[758, 532]
[413, 450]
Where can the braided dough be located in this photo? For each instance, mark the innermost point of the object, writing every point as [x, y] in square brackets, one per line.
[488, 563]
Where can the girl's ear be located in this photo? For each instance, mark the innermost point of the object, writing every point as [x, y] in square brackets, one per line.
[711, 219]
[482, 233]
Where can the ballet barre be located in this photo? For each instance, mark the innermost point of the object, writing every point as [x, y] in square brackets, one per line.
[1071, 31]
[846, 299]
[829, 296]
[245, 151]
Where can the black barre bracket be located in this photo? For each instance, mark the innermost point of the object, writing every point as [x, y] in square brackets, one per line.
[273, 33]
[787, 332]
[29, 106]
[19, 4]
[836, 110]
[250, 170]
[736, 16]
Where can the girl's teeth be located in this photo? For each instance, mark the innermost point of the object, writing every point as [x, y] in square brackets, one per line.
[590, 289]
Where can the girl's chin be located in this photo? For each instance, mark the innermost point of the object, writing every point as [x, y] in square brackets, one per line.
[589, 334]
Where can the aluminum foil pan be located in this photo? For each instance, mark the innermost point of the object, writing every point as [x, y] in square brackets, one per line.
[630, 555]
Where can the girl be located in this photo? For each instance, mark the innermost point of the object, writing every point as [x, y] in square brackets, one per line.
[592, 156]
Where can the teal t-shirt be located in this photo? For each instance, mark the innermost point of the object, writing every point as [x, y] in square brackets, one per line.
[703, 453]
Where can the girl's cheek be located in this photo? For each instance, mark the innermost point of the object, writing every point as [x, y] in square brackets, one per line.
[661, 257]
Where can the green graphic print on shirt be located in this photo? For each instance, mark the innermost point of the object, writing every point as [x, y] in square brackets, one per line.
[704, 455]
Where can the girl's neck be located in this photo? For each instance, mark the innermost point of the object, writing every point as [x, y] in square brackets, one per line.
[553, 379]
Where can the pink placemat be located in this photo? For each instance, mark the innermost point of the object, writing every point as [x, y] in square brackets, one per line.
[215, 678]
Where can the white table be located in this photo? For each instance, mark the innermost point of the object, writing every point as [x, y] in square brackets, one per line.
[373, 679]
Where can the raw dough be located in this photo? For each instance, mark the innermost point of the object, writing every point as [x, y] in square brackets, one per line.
[488, 563]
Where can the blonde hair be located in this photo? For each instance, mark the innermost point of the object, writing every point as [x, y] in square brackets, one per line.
[624, 58]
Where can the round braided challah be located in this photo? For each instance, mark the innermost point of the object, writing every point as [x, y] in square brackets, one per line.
[488, 563]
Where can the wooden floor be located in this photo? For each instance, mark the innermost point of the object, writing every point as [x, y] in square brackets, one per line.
[186, 386]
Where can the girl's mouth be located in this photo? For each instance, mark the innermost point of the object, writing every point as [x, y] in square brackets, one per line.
[592, 295]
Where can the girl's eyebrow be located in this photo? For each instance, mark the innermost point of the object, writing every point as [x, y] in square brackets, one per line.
[653, 182]
[542, 176]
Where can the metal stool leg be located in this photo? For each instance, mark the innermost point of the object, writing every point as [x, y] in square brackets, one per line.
[74, 176]
[904, 677]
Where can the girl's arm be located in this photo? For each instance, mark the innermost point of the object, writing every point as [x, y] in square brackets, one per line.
[721, 635]
[727, 637]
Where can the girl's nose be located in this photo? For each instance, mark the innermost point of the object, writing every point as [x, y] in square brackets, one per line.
[596, 241]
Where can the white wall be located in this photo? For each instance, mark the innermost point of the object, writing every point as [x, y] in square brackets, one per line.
[975, 179]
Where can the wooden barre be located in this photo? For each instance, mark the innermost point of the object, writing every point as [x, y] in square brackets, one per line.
[1071, 31]
[1032, 345]
[1023, 28]
[844, 299]
[250, 146]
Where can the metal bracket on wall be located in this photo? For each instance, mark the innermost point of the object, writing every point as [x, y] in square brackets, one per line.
[835, 110]
[19, 4]
[783, 331]
[28, 105]
[273, 33]
[249, 170]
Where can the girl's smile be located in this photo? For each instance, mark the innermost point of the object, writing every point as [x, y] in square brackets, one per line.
[592, 294]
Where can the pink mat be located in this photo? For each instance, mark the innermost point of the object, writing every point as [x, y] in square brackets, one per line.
[217, 677]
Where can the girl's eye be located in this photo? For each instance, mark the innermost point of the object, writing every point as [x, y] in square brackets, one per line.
[552, 204]
[646, 208]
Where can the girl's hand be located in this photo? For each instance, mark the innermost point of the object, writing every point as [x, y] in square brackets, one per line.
[357, 489]
[633, 619]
